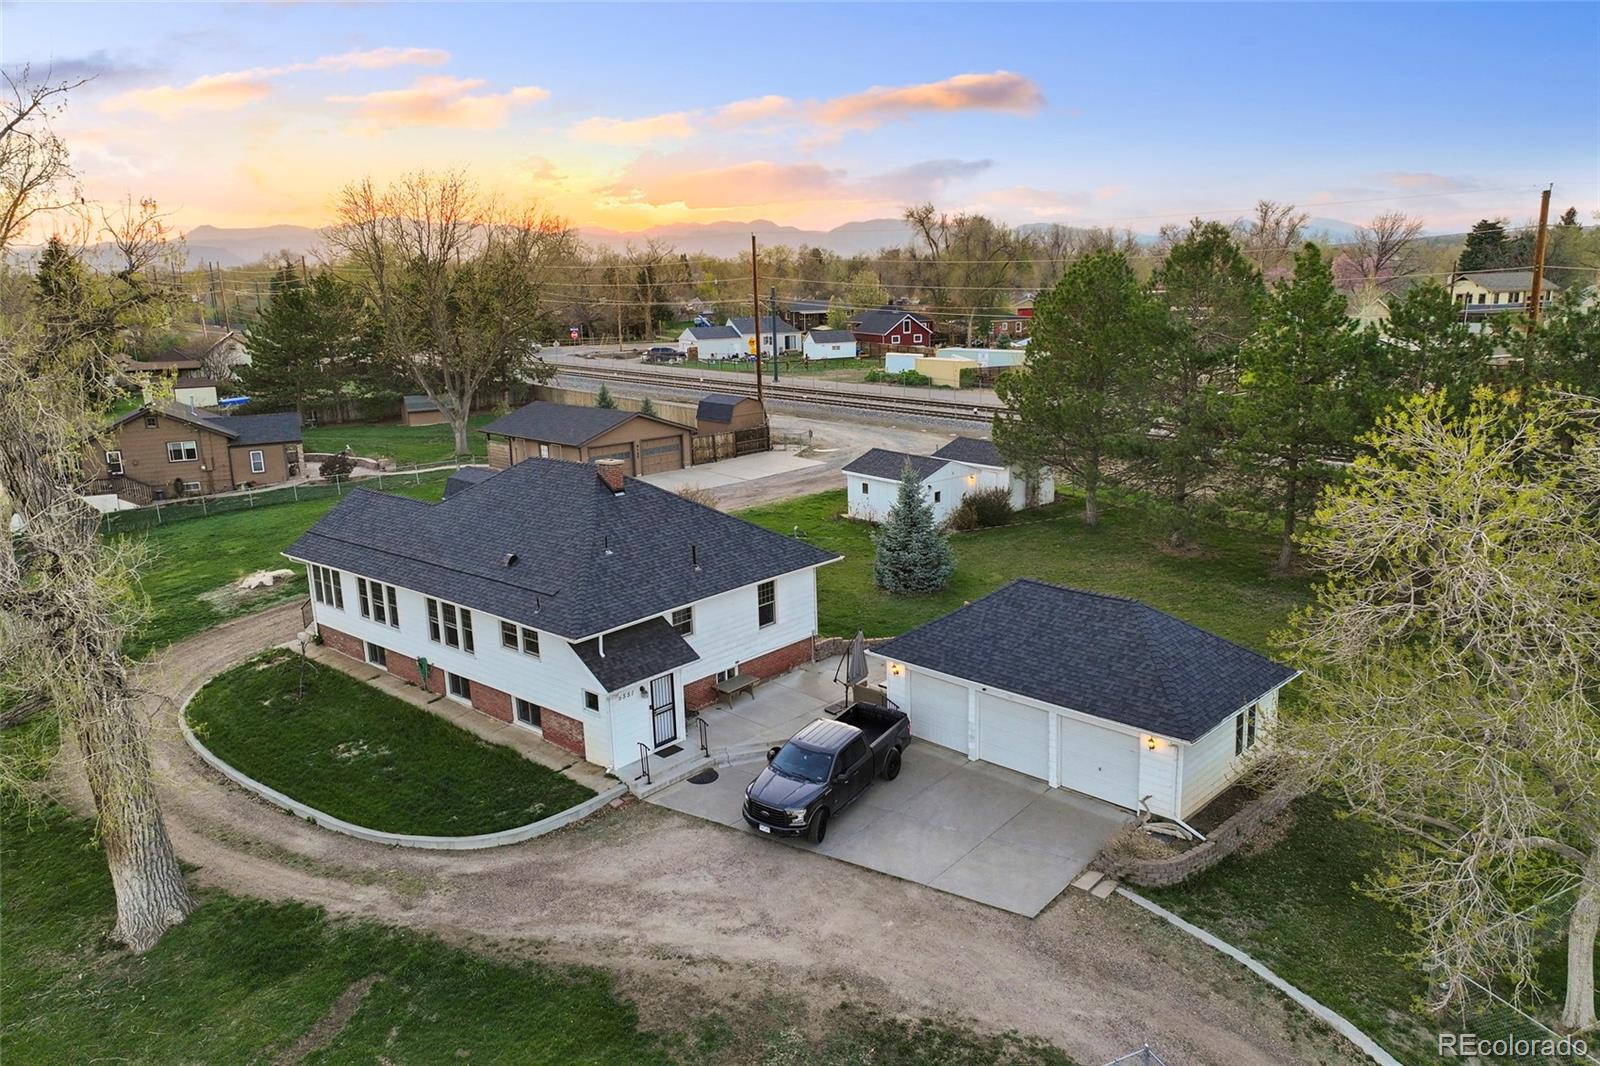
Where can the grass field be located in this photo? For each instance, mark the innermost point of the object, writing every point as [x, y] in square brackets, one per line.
[248, 981]
[360, 754]
[406, 445]
[1225, 585]
[828, 369]
[188, 581]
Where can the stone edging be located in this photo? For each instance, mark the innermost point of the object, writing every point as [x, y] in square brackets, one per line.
[1341, 1025]
[514, 835]
[1223, 841]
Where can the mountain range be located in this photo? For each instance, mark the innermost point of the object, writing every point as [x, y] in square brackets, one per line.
[239, 246]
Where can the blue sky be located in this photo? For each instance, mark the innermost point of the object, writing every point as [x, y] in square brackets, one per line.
[1128, 114]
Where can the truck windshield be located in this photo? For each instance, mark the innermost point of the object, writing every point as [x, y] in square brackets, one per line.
[794, 761]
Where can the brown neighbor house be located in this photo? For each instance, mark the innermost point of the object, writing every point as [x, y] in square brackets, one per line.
[644, 444]
[173, 449]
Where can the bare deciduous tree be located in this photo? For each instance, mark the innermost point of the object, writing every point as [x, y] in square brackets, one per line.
[1452, 654]
[456, 282]
[67, 597]
[1379, 253]
[1272, 236]
[36, 174]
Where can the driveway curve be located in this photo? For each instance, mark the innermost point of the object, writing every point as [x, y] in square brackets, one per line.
[683, 910]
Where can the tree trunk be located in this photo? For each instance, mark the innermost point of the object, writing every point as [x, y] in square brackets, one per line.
[1091, 492]
[1286, 546]
[1578, 1014]
[458, 425]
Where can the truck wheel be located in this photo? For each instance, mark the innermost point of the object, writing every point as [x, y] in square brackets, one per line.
[891, 765]
[819, 827]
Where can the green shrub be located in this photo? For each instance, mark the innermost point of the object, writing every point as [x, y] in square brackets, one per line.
[903, 377]
[983, 509]
[969, 377]
[339, 464]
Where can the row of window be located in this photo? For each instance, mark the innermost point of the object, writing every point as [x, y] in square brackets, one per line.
[183, 451]
[866, 490]
[450, 625]
[378, 602]
[526, 712]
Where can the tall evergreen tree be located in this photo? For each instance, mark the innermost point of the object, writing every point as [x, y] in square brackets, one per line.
[913, 555]
[1303, 393]
[1424, 346]
[1084, 392]
[1212, 293]
[1486, 246]
[1566, 349]
[602, 399]
[312, 346]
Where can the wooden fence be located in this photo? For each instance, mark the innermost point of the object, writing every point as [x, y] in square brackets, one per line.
[711, 447]
[685, 414]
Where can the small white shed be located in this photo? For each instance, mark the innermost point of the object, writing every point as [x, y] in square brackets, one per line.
[1099, 694]
[872, 483]
[713, 342]
[830, 344]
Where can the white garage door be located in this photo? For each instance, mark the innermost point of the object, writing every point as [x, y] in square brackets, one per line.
[938, 711]
[1014, 736]
[1100, 762]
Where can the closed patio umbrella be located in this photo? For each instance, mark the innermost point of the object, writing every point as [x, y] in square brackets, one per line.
[856, 660]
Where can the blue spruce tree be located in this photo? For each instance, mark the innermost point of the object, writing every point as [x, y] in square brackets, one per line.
[913, 554]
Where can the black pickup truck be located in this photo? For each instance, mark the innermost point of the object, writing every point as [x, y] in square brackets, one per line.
[824, 768]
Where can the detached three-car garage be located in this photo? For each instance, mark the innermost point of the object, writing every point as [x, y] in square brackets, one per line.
[1098, 694]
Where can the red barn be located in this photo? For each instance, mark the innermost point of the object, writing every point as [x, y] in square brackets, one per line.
[892, 329]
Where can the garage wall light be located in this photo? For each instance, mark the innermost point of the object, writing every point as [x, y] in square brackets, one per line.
[895, 669]
[1150, 742]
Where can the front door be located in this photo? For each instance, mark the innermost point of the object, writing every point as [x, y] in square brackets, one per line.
[663, 710]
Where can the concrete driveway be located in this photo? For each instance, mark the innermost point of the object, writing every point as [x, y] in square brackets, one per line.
[968, 828]
[728, 472]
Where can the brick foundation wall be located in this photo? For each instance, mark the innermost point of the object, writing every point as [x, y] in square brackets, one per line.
[703, 692]
[562, 731]
[491, 701]
[341, 642]
[404, 667]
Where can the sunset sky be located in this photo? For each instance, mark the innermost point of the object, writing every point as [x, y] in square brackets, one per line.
[626, 117]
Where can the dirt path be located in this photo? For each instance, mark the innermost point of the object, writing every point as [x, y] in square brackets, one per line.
[679, 907]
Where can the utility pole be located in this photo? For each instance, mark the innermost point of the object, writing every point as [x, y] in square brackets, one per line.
[755, 305]
[772, 302]
[1537, 289]
[305, 276]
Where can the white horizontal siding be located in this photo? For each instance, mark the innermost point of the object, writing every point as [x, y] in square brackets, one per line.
[726, 632]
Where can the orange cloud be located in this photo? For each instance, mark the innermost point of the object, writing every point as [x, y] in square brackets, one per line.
[440, 100]
[232, 90]
[755, 109]
[674, 125]
[999, 91]
[766, 183]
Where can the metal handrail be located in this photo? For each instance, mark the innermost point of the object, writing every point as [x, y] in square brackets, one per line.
[705, 736]
[644, 763]
[306, 613]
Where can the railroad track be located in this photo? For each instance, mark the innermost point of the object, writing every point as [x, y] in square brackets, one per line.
[932, 406]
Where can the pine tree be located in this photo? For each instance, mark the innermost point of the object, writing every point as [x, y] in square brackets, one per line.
[1486, 246]
[312, 346]
[913, 554]
[648, 408]
[603, 399]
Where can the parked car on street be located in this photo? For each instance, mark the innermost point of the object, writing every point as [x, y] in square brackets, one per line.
[824, 768]
[660, 353]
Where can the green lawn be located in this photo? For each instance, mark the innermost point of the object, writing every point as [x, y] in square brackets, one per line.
[406, 445]
[1297, 907]
[830, 369]
[188, 581]
[242, 981]
[360, 754]
[1226, 586]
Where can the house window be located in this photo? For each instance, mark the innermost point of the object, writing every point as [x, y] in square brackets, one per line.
[1238, 734]
[514, 636]
[191, 486]
[113, 464]
[591, 702]
[1244, 731]
[766, 603]
[528, 714]
[916, 338]
[865, 488]
[326, 588]
[377, 655]
[936, 496]
[378, 602]
[258, 462]
[1250, 727]
[460, 687]
[450, 625]
[182, 451]
[732, 671]
[544, 451]
[151, 422]
[683, 620]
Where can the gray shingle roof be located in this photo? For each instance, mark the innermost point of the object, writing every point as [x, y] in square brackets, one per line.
[1108, 656]
[420, 403]
[831, 336]
[747, 325]
[806, 307]
[717, 407]
[558, 423]
[880, 462]
[465, 478]
[881, 322]
[1508, 280]
[972, 450]
[263, 429]
[587, 560]
[713, 333]
[641, 651]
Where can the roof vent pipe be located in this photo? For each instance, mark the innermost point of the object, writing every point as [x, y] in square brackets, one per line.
[694, 556]
[511, 558]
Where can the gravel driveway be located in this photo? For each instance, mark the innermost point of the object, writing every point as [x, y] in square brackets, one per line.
[678, 907]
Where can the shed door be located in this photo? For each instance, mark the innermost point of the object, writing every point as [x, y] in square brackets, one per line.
[661, 453]
[938, 711]
[1014, 736]
[1099, 762]
[624, 454]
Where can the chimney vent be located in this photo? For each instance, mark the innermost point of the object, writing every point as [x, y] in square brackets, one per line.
[610, 471]
[694, 556]
[511, 558]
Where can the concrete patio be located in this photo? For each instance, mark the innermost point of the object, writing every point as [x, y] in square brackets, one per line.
[731, 471]
[968, 828]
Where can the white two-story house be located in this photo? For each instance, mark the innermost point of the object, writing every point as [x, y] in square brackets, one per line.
[963, 466]
[564, 598]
